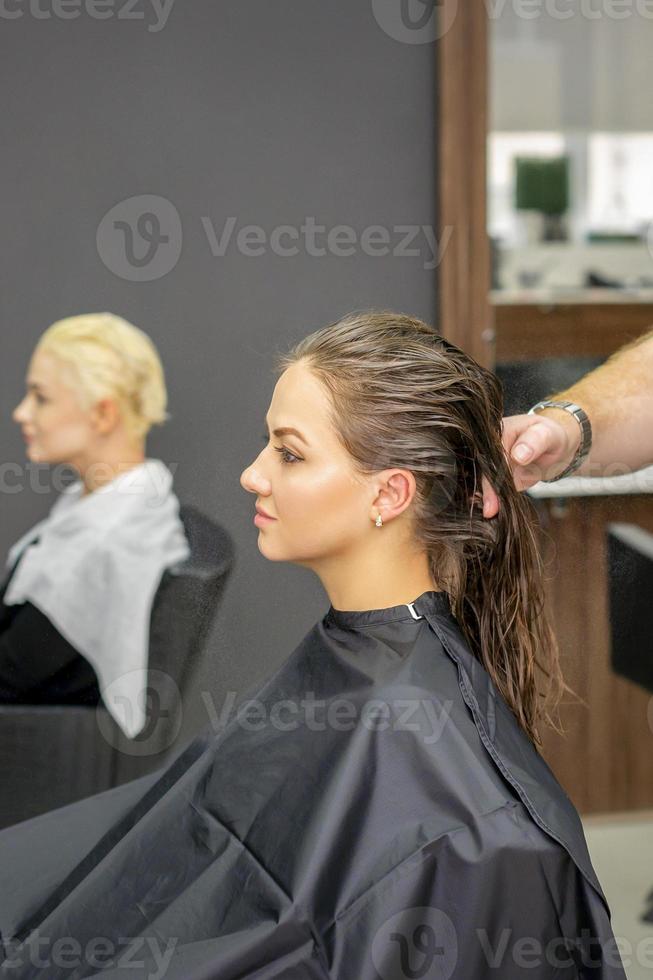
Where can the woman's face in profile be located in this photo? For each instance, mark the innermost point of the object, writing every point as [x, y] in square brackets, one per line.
[55, 427]
[319, 507]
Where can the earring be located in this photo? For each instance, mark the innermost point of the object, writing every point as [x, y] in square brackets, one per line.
[379, 521]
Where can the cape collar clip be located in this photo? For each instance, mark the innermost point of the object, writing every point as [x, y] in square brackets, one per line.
[411, 607]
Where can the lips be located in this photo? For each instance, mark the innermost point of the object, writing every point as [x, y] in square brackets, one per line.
[264, 513]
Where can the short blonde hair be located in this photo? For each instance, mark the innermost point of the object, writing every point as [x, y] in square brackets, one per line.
[112, 358]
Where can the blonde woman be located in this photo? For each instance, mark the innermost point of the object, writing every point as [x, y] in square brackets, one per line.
[74, 617]
[377, 809]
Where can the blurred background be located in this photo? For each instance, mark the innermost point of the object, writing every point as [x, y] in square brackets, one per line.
[570, 154]
[231, 115]
[569, 216]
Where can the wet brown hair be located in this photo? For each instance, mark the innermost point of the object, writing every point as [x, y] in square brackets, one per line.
[403, 396]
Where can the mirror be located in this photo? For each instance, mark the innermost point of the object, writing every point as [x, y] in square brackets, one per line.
[570, 145]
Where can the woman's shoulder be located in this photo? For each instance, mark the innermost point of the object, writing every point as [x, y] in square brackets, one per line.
[425, 697]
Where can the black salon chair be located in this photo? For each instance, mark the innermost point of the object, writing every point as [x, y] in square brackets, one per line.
[52, 755]
[630, 590]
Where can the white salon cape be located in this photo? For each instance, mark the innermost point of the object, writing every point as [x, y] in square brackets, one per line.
[94, 572]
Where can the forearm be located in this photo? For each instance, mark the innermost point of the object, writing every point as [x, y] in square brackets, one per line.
[618, 398]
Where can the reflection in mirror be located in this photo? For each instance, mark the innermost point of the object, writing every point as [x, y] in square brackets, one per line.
[570, 148]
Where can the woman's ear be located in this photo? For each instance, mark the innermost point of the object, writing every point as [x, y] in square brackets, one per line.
[395, 492]
[105, 416]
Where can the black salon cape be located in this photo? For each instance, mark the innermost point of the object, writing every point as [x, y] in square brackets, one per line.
[337, 838]
[37, 664]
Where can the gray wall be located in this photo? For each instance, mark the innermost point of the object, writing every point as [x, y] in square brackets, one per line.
[268, 112]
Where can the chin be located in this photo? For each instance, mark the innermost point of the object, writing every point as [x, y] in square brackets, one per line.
[268, 551]
[37, 456]
[32, 453]
[275, 551]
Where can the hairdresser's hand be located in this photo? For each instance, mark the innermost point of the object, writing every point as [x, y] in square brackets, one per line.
[538, 448]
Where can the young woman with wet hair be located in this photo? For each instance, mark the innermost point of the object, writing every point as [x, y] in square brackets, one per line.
[400, 392]
[378, 807]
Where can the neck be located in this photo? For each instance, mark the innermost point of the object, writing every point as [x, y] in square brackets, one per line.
[97, 472]
[377, 578]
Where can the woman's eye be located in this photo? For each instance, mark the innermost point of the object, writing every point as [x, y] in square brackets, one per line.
[286, 455]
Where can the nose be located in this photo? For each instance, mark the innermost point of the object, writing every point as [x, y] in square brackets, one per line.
[20, 413]
[253, 480]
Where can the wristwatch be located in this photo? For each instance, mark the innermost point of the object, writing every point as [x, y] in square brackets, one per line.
[586, 434]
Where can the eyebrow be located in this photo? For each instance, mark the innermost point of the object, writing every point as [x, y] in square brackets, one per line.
[34, 385]
[287, 430]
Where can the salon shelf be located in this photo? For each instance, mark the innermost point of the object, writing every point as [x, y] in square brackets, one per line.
[547, 297]
[640, 481]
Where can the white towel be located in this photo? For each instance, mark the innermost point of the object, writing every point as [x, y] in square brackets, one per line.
[94, 573]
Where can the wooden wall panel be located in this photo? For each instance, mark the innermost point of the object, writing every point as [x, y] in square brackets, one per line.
[527, 332]
[605, 759]
[465, 314]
